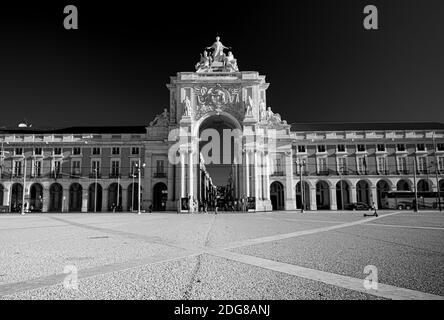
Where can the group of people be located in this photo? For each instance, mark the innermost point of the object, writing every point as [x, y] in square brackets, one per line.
[191, 205]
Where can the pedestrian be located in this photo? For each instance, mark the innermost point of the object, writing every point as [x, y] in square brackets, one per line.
[376, 212]
[215, 209]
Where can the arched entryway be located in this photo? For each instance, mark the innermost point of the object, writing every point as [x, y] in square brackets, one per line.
[55, 197]
[306, 192]
[381, 187]
[403, 185]
[2, 192]
[132, 198]
[342, 194]
[16, 197]
[114, 196]
[441, 186]
[322, 196]
[363, 192]
[95, 197]
[36, 198]
[277, 195]
[75, 197]
[424, 186]
[160, 196]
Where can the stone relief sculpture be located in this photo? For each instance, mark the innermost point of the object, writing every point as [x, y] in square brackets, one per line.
[249, 107]
[187, 107]
[161, 120]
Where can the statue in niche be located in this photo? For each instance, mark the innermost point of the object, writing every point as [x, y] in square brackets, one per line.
[249, 107]
[187, 107]
[230, 63]
[262, 110]
[218, 50]
[204, 63]
[161, 119]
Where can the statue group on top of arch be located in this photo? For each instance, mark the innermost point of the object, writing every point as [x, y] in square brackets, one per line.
[161, 120]
[218, 60]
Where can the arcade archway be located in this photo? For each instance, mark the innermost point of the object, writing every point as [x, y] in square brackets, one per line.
[132, 198]
[363, 192]
[160, 196]
[94, 197]
[277, 195]
[381, 187]
[55, 198]
[342, 194]
[306, 196]
[322, 196]
[75, 197]
[16, 197]
[114, 196]
[36, 197]
[424, 186]
[403, 185]
[1, 194]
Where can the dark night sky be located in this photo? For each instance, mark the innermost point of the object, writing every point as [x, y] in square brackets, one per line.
[321, 63]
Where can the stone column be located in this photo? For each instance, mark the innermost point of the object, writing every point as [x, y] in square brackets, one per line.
[333, 202]
[256, 176]
[352, 194]
[313, 205]
[182, 174]
[45, 206]
[85, 194]
[105, 199]
[290, 192]
[374, 197]
[124, 202]
[147, 180]
[247, 174]
[267, 176]
[191, 174]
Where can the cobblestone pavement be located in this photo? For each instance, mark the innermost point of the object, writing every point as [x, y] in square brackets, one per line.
[275, 255]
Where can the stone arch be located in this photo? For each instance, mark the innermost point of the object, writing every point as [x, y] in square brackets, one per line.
[36, 197]
[2, 193]
[160, 196]
[277, 195]
[322, 195]
[424, 185]
[55, 197]
[342, 193]
[16, 197]
[382, 186]
[132, 198]
[75, 197]
[363, 192]
[114, 196]
[306, 194]
[95, 197]
[404, 185]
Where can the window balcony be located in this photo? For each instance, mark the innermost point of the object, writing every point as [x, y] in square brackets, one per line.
[56, 175]
[277, 173]
[93, 175]
[404, 171]
[115, 175]
[323, 173]
[159, 175]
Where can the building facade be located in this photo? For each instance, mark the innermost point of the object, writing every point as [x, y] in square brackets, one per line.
[93, 169]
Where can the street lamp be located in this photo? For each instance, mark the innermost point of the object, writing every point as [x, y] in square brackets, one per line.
[24, 185]
[436, 174]
[301, 163]
[341, 169]
[139, 166]
[95, 190]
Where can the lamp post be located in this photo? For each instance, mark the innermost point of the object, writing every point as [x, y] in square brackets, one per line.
[132, 193]
[436, 174]
[415, 207]
[139, 167]
[95, 191]
[342, 188]
[24, 185]
[300, 164]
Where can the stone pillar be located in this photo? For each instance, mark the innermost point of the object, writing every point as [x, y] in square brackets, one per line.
[374, 197]
[247, 174]
[256, 177]
[85, 194]
[333, 202]
[191, 174]
[182, 174]
[267, 176]
[290, 192]
[124, 203]
[352, 194]
[313, 205]
[147, 180]
[45, 206]
[105, 199]
[65, 200]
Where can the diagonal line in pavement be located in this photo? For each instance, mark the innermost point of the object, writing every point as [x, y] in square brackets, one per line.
[283, 236]
[384, 290]
[401, 226]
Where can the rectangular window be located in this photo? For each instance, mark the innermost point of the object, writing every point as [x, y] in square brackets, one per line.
[57, 151]
[400, 147]
[380, 164]
[441, 164]
[37, 168]
[342, 165]
[76, 151]
[401, 164]
[301, 149]
[135, 150]
[277, 167]
[96, 151]
[57, 165]
[75, 167]
[420, 147]
[160, 166]
[361, 165]
[440, 146]
[301, 164]
[18, 151]
[322, 165]
[361, 147]
[341, 147]
[95, 167]
[17, 168]
[422, 165]
[115, 168]
[38, 151]
[115, 150]
[321, 148]
[381, 147]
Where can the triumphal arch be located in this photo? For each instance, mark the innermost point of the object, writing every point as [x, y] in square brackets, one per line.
[221, 133]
